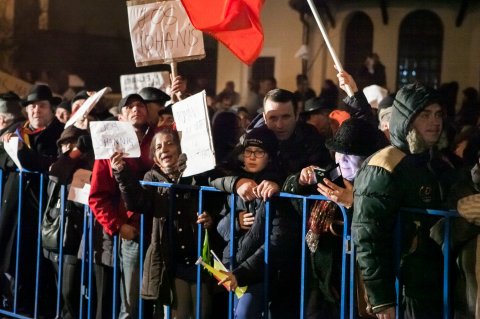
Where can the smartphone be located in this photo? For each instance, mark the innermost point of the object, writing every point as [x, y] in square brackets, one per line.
[333, 173]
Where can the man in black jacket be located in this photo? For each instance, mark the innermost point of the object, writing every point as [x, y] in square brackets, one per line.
[37, 150]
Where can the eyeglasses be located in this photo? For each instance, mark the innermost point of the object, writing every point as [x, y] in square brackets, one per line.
[256, 154]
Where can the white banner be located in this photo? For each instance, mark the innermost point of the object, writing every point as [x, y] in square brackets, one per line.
[11, 147]
[161, 32]
[87, 106]
[113, 136]
[132, 83]
[193, 125]
[80, 187]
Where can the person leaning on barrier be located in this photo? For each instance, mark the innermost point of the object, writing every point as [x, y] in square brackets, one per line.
[109, 209]
[170, 268]
[409, 173]
[354, 141]
[37, 150]
[259, 150]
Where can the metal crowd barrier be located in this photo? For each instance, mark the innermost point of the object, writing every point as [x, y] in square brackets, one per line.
[347, 303]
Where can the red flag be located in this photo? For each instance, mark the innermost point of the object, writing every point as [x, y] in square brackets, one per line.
[235, 23]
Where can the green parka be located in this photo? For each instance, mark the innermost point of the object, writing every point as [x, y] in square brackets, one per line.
[390, 179]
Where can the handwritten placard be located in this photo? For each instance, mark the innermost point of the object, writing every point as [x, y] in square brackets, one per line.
[193, 124]
[132, 83]
[161, 32]
[112, 136]
[11, 147]
[87, 106]
[80, 186]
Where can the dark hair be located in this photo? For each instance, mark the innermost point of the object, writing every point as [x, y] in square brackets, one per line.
[281, 96]
[166, 130]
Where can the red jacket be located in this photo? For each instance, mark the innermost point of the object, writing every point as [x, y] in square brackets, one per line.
[105, 199]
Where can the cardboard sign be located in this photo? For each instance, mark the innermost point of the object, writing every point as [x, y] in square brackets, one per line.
[132, 83]
[11, 147]
[112, 136]
[80, 187]
[87, 106]
[11, 83]
[193, 125]
[161, 32]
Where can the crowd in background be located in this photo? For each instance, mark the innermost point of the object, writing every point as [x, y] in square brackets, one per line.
[373, 152]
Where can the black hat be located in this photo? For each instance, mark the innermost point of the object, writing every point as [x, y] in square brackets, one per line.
[356, 137]
[151, 94]
[82, 95]
[65, 105]
[262, 137]
[41, 92]
[10, 103]
[125, 101]
[315, 104]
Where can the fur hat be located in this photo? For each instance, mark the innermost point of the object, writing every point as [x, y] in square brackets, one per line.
[151, 94]
[41, 92]
[10, 104]
[262, 137]
[356, 137]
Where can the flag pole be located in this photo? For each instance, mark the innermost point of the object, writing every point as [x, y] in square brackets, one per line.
[338, 64]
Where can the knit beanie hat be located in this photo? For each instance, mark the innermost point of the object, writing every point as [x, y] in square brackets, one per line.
[263, 138]
[356, 137]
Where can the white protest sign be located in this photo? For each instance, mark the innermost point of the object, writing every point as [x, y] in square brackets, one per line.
[11, 83]
[193, 124]
[132, 83]
[87, 106]
[80, 186]
[11, 147]
[111, 136]
[161, 32]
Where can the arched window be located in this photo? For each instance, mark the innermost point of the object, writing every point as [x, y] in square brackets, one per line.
[358, 42]
[420, 44]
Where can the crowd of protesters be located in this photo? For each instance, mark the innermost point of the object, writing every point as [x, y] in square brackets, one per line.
[370, 155]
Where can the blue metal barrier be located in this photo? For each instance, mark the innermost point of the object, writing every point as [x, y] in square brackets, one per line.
[347, 303]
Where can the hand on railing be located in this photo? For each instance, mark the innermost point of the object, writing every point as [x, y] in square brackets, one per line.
[266, 189]
[337, 194]
[245, 188]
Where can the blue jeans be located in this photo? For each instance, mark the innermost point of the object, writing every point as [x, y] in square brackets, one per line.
[129, 278]
[251, 305]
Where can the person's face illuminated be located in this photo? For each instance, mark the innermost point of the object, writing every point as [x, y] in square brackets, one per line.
[429, 124]
[349, 165]
[280, 118]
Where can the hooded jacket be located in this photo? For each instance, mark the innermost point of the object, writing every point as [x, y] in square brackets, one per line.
[390, 179]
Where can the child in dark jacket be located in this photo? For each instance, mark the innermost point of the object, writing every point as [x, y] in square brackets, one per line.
[259, 150]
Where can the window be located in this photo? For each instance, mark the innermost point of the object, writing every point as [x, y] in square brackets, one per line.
[358, 42]
[420, 44]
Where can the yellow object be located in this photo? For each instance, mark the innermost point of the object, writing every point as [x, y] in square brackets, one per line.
[239, 291]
